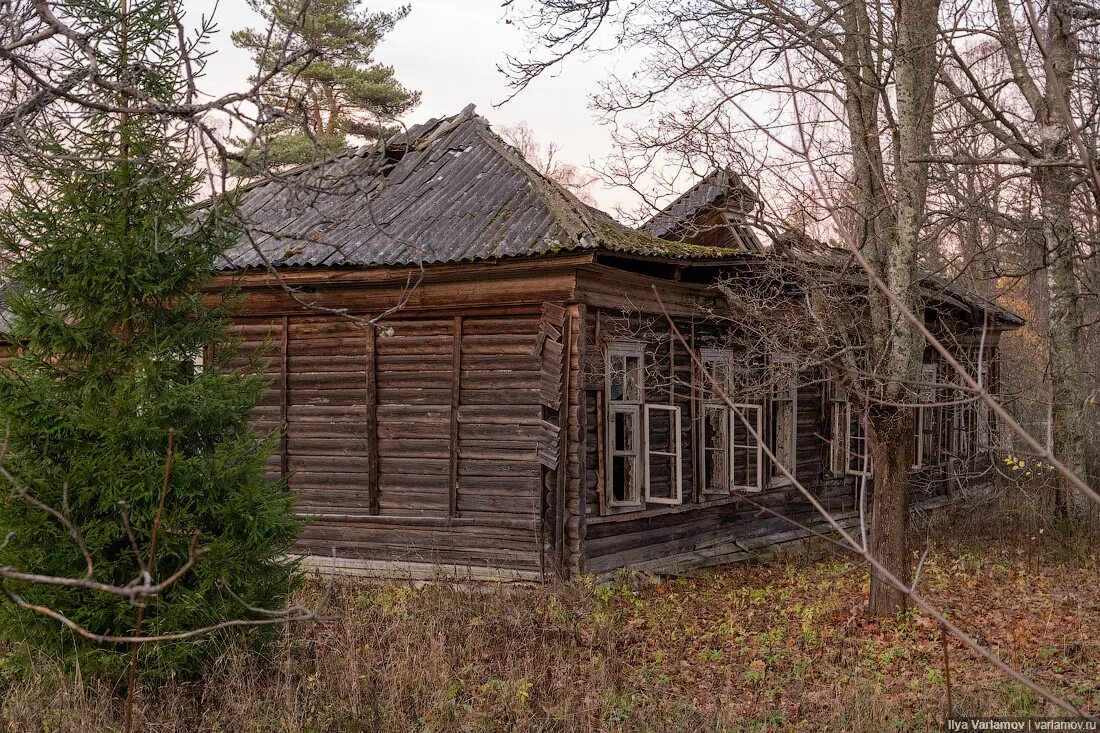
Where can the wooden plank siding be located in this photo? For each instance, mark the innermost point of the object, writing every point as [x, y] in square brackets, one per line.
[416, 442]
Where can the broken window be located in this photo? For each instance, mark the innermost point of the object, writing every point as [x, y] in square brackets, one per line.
[859, 457]
[848, 451]
[928, 418]
[625, 391]
[715, 418]
[838, 430]
[716, 449]
[784, 416]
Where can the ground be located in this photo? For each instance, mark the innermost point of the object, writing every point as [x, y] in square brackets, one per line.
[768, 646]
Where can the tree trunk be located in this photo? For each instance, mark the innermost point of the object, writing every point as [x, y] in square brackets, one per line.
[1056, 188]
[892, 452]
[899, 364]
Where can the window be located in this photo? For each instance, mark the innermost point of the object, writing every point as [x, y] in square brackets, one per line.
[859, 457]
[715, 418]
[747, 464]
[662, 456]
[838, 430]
[716, 449]
[985, 437]
[928, 419]
[784, 416]
[848, 452]
[625, 393]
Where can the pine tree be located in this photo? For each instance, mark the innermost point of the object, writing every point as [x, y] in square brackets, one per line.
[109, 255]
[320, 101]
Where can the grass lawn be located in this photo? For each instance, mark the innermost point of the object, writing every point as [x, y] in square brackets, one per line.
[768, 646]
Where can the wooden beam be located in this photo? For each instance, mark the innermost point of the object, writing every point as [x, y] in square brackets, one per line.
[456, 386]
[601, 460]
[372, 419]
[323, 276]
[284, 343]
[582, 437]
[696, 398]
[563, 442]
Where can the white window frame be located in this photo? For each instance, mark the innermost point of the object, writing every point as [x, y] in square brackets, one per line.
[712, 358]
[724, 358]
[864, 456]
[777, 477]
[928, 376]
[674, 441]
[744, 410]
[631, 407]
[633, 491]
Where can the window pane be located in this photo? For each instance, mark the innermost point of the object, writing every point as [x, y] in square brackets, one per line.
[632, 388]
[784, 415]
[746, 451]
[624, 432]
[617, 367]
[622, 478]
[625, 378]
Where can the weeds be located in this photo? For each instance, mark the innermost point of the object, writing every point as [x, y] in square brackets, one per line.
[758, 647]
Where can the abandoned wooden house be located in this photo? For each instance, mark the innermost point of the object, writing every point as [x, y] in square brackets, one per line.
[522, 409]
[476, 374]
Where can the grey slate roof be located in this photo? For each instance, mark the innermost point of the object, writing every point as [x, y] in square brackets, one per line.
[448, 190]
[683, 210]
[719, 189]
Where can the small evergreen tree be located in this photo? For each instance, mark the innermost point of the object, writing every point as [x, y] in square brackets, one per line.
[323, 100]
[108, 257]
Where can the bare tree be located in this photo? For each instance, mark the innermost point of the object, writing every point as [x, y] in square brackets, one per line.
[834, 75]
[546, 161]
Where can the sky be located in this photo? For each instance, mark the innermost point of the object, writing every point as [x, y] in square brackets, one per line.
[449, 50]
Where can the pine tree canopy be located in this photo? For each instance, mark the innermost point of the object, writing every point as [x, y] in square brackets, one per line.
[342, 91]
[109, 257]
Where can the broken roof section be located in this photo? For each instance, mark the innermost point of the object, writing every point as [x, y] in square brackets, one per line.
[449, 190]
[712, 212]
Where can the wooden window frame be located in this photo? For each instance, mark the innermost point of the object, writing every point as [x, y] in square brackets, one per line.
[774, 401]
[725, 451]
[632, 407]
[710, 357]
[851, 451]
[983, 420]
[739, 412]
[929, 375]
[675, 454]
[839, 430]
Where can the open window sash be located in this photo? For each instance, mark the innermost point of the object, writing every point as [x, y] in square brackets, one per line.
[746, 451]
[663, 481]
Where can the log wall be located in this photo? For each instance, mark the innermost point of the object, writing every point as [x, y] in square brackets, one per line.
[451, 476]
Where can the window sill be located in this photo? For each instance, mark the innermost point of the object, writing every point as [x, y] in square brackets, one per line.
[627, 516]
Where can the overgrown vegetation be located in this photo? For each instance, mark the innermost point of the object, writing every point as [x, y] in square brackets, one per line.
[125, 462]
[782, 645]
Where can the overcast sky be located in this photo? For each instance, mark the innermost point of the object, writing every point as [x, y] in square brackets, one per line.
[449, 50]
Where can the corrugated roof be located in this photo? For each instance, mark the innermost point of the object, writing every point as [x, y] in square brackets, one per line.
[719, 191]
[449, 190]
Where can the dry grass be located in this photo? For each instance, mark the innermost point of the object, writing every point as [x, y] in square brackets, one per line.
[764, 647]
